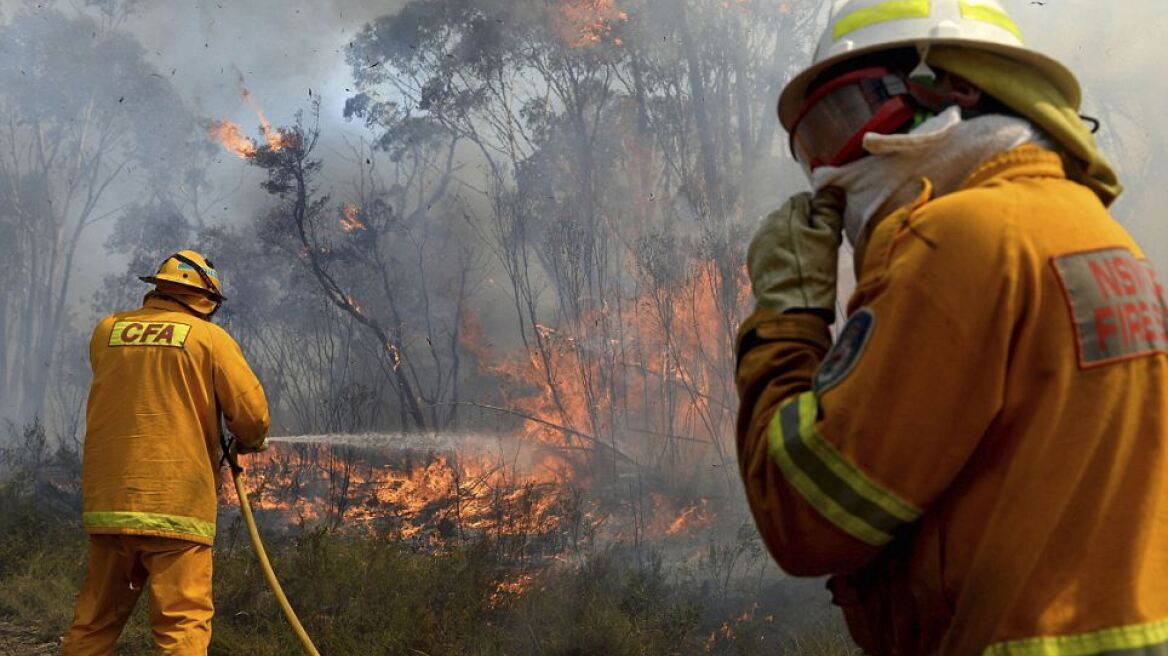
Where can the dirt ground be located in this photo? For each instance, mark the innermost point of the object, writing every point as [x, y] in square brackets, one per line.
[20, 641]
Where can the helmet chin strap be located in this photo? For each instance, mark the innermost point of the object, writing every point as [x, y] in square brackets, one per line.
[177, 299]
[214, 294]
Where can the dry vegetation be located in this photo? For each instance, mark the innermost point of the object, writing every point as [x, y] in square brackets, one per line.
[373, 595]
[540, 234]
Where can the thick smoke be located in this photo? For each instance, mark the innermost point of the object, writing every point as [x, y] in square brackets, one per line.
[289, 55]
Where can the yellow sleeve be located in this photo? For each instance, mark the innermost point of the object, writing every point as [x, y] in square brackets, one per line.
[238, 392]
[778, 355]
[916, 377]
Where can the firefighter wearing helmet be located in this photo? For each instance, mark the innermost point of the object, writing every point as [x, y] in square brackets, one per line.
[979, 460]
[162, 374]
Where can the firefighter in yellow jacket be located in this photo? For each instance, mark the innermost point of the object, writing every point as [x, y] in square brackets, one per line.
[980, 459]
[162, 374]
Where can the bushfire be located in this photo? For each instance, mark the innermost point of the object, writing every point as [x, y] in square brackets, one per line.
[276, 139]
[350, 222]
[436, 496]
[564, 469]
[620, 411]
[230, 135]
[582, 23]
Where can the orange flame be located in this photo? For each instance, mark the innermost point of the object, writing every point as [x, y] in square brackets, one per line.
[354, 304]
[583, 23]
[350, 222]
[550, 381]
[410, 492]
[229, 134]
[395, 355]
[276, 139]
[676, 389]
[691, 517]
[510, 588]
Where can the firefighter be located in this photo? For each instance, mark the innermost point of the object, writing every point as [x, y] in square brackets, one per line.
[162, 374]
[979, 461]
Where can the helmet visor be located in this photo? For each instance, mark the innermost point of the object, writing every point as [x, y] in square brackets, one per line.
[831, 126]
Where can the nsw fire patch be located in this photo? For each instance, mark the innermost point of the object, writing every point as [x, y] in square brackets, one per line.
[149, 333]
[846, 351]
[1116, 303]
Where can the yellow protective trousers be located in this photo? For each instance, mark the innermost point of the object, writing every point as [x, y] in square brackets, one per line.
[178, 573]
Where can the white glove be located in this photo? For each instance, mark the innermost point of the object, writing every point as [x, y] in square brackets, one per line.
[793, 258]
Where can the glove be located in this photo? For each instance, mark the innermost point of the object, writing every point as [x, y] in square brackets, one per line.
[793, 258]
[245, 450]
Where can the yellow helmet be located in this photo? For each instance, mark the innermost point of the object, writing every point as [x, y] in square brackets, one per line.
[189, 269]
[862, 27]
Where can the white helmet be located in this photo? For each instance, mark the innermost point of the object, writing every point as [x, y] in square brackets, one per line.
[861, 27]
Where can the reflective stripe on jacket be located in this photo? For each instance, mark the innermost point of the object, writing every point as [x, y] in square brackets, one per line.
[161, 376]
[983, 453]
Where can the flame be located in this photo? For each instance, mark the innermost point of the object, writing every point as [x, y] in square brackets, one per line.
[692, 517]
[276, 140]
[673, 382]
[409, 494]
[229, 134]
[350, 222]
[674, 396]
[510, 588]
[583, 23]
[394, 354]
[663, 338]
[726, 634]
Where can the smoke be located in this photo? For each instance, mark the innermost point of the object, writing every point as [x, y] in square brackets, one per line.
[285, 53]
[281, 49]
[1115, 50]
[288, 54]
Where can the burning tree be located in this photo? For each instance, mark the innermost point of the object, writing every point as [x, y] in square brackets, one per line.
[375, 263]
[580, 143]
[621, 143]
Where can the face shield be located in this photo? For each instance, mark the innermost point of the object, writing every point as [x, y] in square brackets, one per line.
[830, 127]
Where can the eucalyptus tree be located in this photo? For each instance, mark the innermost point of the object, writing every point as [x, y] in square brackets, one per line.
[625, 149]
[86, 127]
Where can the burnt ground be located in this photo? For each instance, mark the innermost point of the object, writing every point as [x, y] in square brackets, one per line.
[23, 641]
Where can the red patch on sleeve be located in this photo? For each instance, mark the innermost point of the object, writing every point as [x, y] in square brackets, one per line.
[1116, 303]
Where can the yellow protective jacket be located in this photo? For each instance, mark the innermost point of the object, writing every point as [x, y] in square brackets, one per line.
[981, 459]
[161, 376]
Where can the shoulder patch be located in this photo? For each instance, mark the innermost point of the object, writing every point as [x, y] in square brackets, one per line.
[149, 333]
[1116, 304]
[846, 351]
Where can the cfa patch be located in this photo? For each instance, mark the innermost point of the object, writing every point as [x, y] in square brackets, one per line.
[1116, 304]
[149, 333]
[846, 351]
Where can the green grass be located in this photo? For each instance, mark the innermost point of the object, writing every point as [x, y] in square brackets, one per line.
[369, 597]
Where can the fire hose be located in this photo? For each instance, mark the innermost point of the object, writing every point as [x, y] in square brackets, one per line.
[231, 457]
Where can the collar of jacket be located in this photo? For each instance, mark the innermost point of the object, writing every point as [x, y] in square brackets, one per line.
[1024, 161]
[158, 301]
